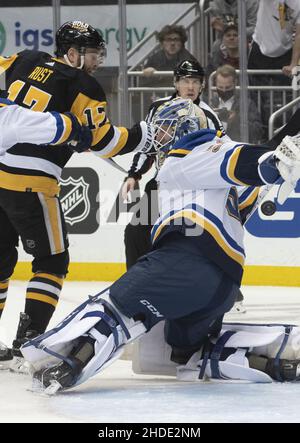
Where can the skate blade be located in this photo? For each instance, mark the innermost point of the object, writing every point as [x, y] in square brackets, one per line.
[53, 388]
[38, 388]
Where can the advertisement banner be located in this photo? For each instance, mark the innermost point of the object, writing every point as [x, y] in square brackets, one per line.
[32, 27]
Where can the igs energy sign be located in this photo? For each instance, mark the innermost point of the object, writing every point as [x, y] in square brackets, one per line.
[32, 27]
[79, 198]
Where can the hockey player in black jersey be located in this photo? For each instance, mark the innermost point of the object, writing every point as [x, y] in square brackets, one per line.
[29, 203]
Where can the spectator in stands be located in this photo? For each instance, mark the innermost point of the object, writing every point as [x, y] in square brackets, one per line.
[222, 11]
[227, 53]
[276, 45]
[226, 104]
[276, 39]
[172, 39]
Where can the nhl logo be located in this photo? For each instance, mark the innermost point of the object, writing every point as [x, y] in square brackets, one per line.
[75, 202]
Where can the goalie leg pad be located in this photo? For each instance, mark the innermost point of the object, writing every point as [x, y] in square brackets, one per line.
[255, 353]
[96, 321]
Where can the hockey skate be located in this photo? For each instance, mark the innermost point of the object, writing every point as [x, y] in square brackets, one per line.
[18, 363]
[57, 378]
[279, 370]
[6, 356]
[64, 375]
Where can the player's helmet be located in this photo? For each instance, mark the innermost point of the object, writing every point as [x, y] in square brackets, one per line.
[173, 120]
[189, 68]
[79, 35]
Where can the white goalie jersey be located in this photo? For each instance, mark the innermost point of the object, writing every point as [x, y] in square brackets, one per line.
[203, 185]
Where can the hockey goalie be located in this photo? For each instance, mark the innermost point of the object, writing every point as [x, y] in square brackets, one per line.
[190, 278]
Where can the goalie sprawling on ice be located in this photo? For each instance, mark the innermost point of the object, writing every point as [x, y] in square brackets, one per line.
[190, 278]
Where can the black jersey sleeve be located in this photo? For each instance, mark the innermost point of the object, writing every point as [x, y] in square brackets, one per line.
[89, 105]
[141, 164]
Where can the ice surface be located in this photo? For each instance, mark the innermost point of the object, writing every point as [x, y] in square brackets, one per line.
[119, 395]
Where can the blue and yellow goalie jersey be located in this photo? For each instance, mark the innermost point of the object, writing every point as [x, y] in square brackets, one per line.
[204, 185]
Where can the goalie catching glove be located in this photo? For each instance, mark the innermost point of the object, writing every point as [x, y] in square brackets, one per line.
[282, 166]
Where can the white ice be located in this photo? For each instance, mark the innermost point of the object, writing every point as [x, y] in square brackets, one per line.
[119, 396]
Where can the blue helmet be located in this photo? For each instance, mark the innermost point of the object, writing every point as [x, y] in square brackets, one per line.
[175, 119]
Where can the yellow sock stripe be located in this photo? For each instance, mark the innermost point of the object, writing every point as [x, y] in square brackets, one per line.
[52, 277]
[2, 306]
[42, 298]
[4, 284]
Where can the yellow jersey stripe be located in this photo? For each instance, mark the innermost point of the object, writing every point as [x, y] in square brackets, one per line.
[232, 165]
[42, 298]
[23, 183]
[120, 145]
[179, 151]
[250, 200]
[207, 226]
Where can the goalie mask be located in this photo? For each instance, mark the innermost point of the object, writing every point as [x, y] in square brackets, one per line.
[173, 120]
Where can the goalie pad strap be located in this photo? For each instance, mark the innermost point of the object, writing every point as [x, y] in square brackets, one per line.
[287, 331]
[117, 317]
[217, 352]
[59, 356]
[206, 353]
[109, 321]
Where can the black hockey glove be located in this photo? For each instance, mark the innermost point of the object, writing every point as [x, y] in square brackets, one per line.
[81, 137]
